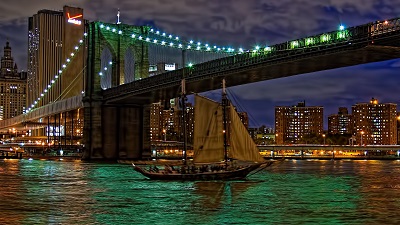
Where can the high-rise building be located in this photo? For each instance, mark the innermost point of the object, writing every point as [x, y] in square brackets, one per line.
[170, 123]
[53, 37]
[166, 123]
[189, 122]
[292, 123]
[12, 87]
[375, 123]
[341, 123]
[155, 121]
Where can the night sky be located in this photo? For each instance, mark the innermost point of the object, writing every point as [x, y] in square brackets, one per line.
[244, 23]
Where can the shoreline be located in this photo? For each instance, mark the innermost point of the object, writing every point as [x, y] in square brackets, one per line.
[178, 161]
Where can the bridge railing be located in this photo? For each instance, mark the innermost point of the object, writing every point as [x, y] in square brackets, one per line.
[47, 110]
[336, 39]
[55, 108]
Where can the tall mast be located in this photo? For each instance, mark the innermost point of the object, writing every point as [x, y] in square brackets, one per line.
[118, 21]
[183, 103]
[224, 105]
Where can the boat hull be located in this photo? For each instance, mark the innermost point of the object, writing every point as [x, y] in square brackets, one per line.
[236, 174]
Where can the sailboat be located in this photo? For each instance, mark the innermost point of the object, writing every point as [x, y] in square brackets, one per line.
[222, 150]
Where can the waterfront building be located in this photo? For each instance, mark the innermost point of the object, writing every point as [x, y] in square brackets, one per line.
[292, 123]
[155, 121]
[52, 37]
[375, 123]
[189, 122]
[262, 135]
[170, 123]
[341, 123]
[12, 86]
[253, 131]
[166, 122]
[265, 139]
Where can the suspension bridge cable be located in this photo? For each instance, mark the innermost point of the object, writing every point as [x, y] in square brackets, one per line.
[242, 108]
[66, 91]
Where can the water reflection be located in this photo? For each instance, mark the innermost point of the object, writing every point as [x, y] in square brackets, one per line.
[307, 192]
[210, 193]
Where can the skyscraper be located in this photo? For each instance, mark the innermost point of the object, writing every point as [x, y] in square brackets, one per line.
[52, 41]
[292, 123]
[375, 123]
[12, 86]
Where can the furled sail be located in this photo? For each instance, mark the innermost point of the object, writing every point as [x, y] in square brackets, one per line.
[242, 146]
[208, 131]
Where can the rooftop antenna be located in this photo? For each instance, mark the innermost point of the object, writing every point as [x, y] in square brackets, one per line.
[118, 22]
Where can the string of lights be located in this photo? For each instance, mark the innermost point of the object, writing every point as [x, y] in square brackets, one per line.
[155, 36]
[58, 75]
[161, 38]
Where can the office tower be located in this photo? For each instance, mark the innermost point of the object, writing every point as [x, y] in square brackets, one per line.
[375, 123]
[12, 87]
[292, 123]
[340, 123]
[55, 66]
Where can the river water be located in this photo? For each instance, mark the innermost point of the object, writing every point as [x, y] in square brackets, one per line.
[289, 192]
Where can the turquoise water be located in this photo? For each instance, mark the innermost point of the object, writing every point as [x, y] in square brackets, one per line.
[289, 192]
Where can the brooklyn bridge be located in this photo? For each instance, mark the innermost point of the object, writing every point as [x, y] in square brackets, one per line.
[109, 81]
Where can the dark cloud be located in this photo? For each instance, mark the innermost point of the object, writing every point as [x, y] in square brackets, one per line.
[244, 24]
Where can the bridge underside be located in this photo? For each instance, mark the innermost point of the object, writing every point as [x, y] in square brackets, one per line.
[304, 63]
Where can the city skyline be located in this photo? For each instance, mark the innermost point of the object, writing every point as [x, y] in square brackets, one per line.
[246, 24]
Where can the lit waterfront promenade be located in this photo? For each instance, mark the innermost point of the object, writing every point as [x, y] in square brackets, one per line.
[299, 151]
[304, 151]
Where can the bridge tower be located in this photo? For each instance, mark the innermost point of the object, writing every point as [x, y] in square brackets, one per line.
[114, 131]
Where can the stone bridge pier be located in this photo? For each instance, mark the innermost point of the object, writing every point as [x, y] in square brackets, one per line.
[116, 132]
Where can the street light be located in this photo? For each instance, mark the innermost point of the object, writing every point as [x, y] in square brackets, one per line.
[362, 134]
[323, 135]
[373, 139]
[398, 129]
[165, 134]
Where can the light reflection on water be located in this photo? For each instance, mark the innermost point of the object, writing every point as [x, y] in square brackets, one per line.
[290, 192]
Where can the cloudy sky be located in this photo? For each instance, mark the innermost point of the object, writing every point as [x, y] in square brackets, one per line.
[244, 23]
